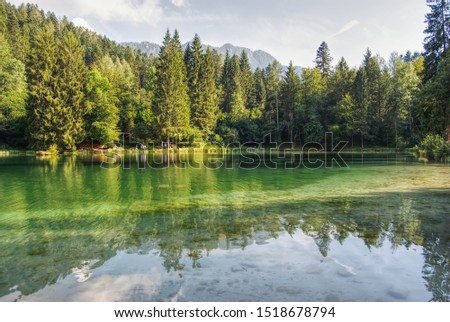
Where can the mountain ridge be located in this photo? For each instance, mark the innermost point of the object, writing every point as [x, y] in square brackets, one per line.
[257, 58]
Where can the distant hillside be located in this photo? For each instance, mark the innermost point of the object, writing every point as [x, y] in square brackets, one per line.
[257, 58]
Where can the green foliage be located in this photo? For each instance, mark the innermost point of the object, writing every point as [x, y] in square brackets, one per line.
[202, 88]
[435, 148]
[437, 37]
[290, 100]
[13, 94]
[324, 59]
[61, 86]
[272, 82]
[44, 106]
[71, 81]
[57, 85]
[247, 81]
[103, 116]
[171, 104]
[435, 101]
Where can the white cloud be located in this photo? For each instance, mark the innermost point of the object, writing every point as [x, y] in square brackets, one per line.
[148, 11]
[180, 3]
[130, 11]
[80, 22]
[349, 25]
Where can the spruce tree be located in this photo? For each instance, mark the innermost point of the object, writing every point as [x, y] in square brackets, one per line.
[44, 105]
[193, 59]
[272, 81]
[323, 59]
[237, 101]
[259, 94]
[14, 36]
[71, 80]
[206, 117]
[3, 18]
[226, 84]
[437, 37]
[290, 99]
[313, 101]
[13, 93]
[247, 81]
[171, 104]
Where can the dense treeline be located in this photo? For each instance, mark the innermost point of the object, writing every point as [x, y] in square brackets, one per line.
[62, 87]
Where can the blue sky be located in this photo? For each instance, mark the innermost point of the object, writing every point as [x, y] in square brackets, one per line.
[287, 29]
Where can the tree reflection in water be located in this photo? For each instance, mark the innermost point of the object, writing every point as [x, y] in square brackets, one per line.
[44, 239]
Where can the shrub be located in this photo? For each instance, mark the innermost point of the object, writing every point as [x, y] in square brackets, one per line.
[435, 148]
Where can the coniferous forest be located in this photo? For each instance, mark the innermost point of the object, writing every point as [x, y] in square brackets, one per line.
[63, 87]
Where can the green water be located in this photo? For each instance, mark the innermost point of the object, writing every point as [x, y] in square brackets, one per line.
[72, 230]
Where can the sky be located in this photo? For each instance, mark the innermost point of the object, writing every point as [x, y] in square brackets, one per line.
[290, 30]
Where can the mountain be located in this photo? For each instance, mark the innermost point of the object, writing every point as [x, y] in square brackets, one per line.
[144, 47]
[257, 58]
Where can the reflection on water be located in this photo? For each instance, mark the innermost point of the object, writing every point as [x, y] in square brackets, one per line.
[71, 230]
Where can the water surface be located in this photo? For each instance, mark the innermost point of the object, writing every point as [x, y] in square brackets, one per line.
[71, 230]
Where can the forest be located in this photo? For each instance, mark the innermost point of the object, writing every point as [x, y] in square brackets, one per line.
[63, 88]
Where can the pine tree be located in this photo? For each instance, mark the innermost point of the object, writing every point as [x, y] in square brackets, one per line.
[126, 91]
[437, 37]
[233, 103]
[44, 106]
[226, 84]
[3, 18]
[237, 101]
[290, 99]
[13, 93]
[247, 81]
[323, 59]
[340, 87]
[435, 97]
[259, 94]
[14, 36]
[71, 80]
[193, 59]
[171, 103]
[272, 82]
[207, 117]
[313, 100]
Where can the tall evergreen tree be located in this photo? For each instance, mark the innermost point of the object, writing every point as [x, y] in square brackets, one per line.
[3, 18]
[437, 37]
[340, 87]
[259, 94]
[233, 103]
[435, 108]
[71, 79]
[193, 59]
[324, 59]
[313, 99]
[44, 106]
[226, 82]
[171, 102]
[206, 118]
[247, 81]
[237, 101]
[272, 81]
[13, 94]
[290, 99]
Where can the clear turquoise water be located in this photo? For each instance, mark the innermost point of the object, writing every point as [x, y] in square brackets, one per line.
[71, 230]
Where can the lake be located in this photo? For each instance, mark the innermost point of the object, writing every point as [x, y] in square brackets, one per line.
[79, 229]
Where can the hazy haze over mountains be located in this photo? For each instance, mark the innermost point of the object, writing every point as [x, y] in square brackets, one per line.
[257, 58]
